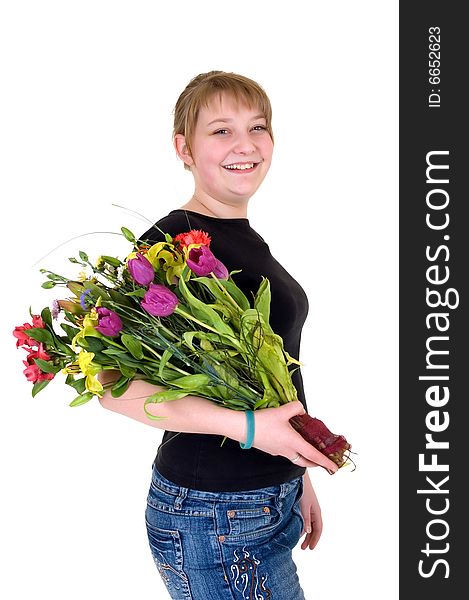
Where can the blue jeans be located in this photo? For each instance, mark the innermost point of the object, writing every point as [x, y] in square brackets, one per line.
[225, 545]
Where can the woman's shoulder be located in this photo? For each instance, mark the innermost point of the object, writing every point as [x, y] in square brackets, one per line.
[173, 223]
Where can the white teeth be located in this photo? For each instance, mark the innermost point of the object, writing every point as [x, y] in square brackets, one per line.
[240, 167]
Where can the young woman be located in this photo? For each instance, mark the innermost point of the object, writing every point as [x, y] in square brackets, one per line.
[222, 520]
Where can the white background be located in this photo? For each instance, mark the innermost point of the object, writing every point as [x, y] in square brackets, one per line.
[86, 118]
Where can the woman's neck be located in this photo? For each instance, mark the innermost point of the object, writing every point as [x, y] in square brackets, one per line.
[216, 208]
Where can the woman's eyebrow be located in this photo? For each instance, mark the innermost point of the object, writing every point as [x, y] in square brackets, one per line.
[228, 119]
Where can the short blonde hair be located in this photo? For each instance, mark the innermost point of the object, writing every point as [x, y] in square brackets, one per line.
[202, 88]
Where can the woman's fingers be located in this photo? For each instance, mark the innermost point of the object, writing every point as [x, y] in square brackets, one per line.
[310, 457]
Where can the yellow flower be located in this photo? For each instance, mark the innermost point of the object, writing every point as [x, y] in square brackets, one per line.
[90, 321]
[86, 366]
[164, 255]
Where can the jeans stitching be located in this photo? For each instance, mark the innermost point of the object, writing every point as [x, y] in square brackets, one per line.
[246, 577]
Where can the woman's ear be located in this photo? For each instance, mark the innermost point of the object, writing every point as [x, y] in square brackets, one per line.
[182, 150]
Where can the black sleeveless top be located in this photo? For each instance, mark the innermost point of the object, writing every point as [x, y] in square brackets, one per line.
[196, 460]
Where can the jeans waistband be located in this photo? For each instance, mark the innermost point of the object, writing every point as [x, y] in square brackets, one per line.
[281, 490]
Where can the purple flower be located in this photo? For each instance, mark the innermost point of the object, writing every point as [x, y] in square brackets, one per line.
[141, 269]
[203, 262]
[159, 301]
[220, 271]
[55, 309]
[109, 322]
[83, 298]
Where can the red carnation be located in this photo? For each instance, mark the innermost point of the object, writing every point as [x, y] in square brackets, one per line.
[194, 236]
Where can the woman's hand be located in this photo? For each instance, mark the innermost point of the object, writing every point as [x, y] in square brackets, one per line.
[311, 513]
[275, 435]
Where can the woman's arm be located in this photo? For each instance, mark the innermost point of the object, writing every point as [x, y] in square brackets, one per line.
[311, 513]
[192, 414]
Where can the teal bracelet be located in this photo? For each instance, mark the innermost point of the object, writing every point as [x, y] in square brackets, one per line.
[250, 430]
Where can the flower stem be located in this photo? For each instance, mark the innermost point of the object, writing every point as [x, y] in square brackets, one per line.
[179, 311]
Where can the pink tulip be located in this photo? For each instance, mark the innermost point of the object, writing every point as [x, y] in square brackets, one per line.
[141, 270]
[203, 262]
[159, 301]
[109, 322]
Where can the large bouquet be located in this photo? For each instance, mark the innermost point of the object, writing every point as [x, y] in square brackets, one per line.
[171, 314]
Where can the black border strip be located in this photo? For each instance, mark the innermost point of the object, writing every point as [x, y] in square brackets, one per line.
[433, 259]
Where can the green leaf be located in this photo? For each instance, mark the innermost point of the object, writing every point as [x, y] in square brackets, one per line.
[47, 366]
[138, 293]
[46, 316]
[69, 330]
[115, 262]
[261, 403]
[48, 285]
[120, 387]
[54, 277]
[262, 299]
[76, 287]
[132, 345]
[76, 384]
[71, 318]
[94, 344]
[83, 256]
[191, 382]
[165, 396]
[222, 289]
[128, 234]
[82, 399]
[40, 385]
[126, 371]
[41, 335]
[167, 354]
[96, 290]
[123, 357]
[101, 359]
[119, 298]
[204, 313]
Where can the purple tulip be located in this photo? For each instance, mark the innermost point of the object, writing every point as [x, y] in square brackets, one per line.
[109, 322]
[220, 271]
[159, 301]
[141, 269]
[202, 262]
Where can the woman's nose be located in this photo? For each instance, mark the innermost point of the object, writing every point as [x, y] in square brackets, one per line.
[244, 144]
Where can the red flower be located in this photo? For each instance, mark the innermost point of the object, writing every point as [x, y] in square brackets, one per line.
[194, 236]
[22, 338]
[32, 372]
[38, 322]
[39, 353]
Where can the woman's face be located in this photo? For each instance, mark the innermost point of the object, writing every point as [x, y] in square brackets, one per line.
[231, 151]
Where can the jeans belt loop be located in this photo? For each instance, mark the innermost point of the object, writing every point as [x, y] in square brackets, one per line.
[283, 490]
[182, 495]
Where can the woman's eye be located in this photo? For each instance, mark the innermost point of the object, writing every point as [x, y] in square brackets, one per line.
[260, 128]
[220, 131]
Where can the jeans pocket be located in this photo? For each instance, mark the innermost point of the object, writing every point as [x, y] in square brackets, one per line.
[296, 508]
[297, 511]
[166, 549]
[252, 521]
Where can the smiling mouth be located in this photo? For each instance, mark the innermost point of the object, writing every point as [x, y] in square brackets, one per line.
[246, 167]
